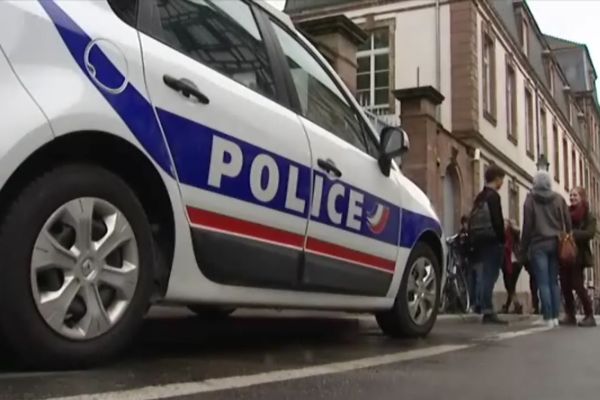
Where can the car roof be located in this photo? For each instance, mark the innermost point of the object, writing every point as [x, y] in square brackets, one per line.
[279, 15]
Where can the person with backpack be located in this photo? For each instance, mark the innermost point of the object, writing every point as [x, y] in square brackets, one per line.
[486, 230]
[571, 277]
[545, 220]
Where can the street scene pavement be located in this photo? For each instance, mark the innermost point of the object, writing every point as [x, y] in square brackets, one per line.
[309, 355]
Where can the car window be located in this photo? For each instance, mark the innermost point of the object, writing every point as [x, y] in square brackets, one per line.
[320, 99]
[126, 10]
[223, 35]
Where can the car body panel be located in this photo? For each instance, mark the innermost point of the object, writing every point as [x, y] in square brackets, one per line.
[67, 37]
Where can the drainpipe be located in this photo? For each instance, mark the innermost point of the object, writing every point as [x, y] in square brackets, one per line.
[438, 65]
[537, 124]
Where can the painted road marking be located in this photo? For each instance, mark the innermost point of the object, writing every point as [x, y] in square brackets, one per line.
[236, 382]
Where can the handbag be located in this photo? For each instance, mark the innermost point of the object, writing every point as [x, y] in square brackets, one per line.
[567, 249]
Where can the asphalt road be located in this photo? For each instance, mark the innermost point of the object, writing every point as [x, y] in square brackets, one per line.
[294, 355]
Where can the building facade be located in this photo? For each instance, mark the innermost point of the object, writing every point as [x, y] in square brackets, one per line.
[476, 82]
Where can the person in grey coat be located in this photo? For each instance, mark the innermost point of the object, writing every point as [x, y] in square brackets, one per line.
[546, 218]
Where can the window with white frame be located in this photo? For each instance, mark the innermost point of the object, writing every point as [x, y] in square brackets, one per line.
[543, 131]
[488, 70]
[511, 102]
[529, 136]
[374, 70]
[525, 37]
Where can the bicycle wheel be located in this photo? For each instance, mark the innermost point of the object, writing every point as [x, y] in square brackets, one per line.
[461, 293]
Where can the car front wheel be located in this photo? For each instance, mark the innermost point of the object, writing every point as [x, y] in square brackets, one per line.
[75, 278]
[416, 306]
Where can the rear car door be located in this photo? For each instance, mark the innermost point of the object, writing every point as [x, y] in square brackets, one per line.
[354, 226]
[242, 158]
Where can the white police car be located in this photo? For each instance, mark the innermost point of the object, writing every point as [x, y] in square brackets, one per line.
[192, 152]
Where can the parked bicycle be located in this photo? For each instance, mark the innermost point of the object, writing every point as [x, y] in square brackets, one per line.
[455, 296]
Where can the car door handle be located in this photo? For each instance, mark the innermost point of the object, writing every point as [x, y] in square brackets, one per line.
[186, 88]
[329, 167]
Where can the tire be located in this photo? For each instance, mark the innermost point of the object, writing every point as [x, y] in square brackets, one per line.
[398, 321]
[211, 312]
[35, 342]
[461, 293]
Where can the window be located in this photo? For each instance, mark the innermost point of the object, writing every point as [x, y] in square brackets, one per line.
[551, 77]
[574, 166]
[126, 10]
[223, 35]
[556, 153]
[511, 102]
[321, 100]
[525, 37]
[529, 137]
[565, 147]
[373, 74]
[544, 132]
[581, 171]
[488, 69]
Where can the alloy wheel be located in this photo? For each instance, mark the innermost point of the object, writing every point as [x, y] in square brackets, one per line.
[84, 268]
[421, 291]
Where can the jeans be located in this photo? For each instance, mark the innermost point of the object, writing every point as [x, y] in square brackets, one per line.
[474, 285]
[491, 258]
[544, 258]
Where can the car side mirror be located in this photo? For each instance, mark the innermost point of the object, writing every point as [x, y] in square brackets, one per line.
[393, 143]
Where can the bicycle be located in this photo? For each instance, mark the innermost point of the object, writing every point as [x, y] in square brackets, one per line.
[455, 296]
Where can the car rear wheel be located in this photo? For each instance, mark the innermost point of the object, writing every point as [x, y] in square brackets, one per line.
[76, 278]
[417, 302]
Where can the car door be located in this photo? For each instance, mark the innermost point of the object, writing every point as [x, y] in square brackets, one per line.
[354, 225]
[242, 158]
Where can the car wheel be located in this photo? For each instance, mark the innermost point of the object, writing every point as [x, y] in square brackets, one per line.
[417, 302]
[211, 312]
[75, 279]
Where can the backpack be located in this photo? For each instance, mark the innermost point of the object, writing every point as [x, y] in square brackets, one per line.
[481, 229]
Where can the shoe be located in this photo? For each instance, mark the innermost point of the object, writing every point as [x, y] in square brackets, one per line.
[588, 322]
[518, 309]
[568, 321]
[504, 309]
[549, 323]
[492, 319]
[556, 322]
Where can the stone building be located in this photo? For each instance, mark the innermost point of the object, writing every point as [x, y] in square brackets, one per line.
[475, 82]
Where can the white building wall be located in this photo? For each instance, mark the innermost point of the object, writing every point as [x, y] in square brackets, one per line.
[415, 49]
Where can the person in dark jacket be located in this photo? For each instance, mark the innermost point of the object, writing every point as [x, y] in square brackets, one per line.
[490, 253]
[571, 278]
[546, 218]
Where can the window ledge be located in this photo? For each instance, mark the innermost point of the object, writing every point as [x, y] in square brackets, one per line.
[531, 155]
[513, 139]
[490, 118]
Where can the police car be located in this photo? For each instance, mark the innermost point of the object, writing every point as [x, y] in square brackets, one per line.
[191, 152]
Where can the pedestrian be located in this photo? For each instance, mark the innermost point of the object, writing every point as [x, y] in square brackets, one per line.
[571, 278]
[486, 230]
[546, 219]
[511, 267]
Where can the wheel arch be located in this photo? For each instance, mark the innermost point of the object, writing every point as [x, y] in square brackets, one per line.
[121, 158]
[434, 241]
